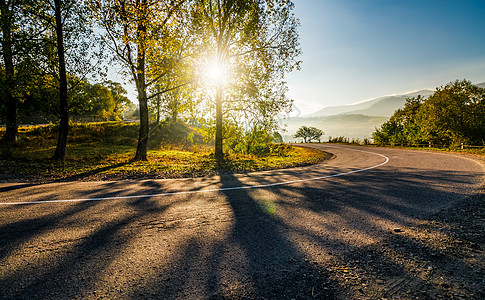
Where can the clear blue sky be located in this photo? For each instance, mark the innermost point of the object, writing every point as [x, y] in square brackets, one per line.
[355, 50]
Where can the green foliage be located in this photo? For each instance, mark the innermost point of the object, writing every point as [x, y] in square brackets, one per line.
[308, 134]
[452, 115]
[100, 101]
[163, 46]
[251, 44]
[104, 150]
[87, 102]
[455, 114]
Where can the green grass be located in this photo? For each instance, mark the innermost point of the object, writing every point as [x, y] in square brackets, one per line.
[468, 150]
[104, 151]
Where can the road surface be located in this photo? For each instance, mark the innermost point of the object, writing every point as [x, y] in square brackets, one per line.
[260, 235]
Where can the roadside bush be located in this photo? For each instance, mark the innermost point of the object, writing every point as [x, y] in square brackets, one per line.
[338, 140]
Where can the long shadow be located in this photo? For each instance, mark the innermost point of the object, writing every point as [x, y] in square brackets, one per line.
[259, 245]
[14, 234]
[90, 172]
[254, 259]
[15, 187]
[72, 273]
[267, 260]
[395, 196]
[277, 269]
[404, 198]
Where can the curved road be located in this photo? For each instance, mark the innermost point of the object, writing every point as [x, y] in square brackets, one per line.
[260, 235]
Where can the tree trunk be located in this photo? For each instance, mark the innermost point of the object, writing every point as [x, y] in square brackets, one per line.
[11, 133]
[60, 152]
[175, 112]
[218, 152]
[142, 147]
[159, 103]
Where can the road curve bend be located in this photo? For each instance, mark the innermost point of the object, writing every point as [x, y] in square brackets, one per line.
[259, 235]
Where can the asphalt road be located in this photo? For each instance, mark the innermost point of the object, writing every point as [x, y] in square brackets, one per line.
[260, 235]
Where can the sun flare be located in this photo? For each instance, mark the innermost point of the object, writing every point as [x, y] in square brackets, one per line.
[215, 71]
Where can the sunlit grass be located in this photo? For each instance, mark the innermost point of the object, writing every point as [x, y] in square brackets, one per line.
[105, 151]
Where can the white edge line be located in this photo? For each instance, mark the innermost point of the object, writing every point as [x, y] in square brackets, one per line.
[210, 190]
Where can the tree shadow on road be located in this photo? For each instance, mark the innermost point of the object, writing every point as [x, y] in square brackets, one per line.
[271, 243]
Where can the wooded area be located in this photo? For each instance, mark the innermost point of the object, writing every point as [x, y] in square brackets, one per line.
[453, 115]
[217, 65]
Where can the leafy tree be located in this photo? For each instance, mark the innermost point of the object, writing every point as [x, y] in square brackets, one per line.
[172, 104]
[60, 152]
[121, 101]
[68, 47]
[17, 41]
[391, 132]
[251, 44]
[133, 29]
[7, 11]
[41, 103]
[99, 101]
[173, 94]
[308, 134]
[403, 126]
[170, 66]
[453, 114]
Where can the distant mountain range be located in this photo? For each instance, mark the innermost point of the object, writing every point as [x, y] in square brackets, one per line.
[357, 120]
[383, 106]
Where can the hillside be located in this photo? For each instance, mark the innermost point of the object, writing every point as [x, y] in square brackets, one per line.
[382, 106]
[357, 120]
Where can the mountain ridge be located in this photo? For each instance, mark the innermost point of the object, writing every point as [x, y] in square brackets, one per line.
[384, 106]
[356, 120]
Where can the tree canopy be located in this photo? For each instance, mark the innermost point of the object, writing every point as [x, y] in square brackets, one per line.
[250, 46]
[309, 134]
[453, 114]
[218, 64]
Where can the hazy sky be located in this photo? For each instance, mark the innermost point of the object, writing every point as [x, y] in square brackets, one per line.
[355, 50]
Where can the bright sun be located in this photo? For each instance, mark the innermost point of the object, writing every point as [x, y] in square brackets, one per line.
[215, 71]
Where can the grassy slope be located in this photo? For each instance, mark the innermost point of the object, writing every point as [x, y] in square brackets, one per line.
[104, 151]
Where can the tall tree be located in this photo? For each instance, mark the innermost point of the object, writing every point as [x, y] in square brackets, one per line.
[60, 152]
[8, 15]
[404, 126]
[16, 49]
[131, 28]
[68, 48]
[246, 35]
[455, 114]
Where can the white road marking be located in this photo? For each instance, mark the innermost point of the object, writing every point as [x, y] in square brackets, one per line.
[245, 187]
